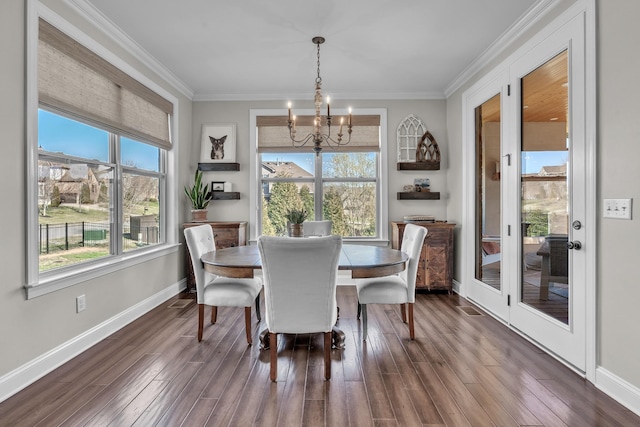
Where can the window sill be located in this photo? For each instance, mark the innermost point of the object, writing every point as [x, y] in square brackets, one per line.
[56, 281]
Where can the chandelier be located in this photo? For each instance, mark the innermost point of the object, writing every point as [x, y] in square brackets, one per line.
[316, 136]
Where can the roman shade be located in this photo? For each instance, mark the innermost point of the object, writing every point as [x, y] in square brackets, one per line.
[76, 81]
[273, 133]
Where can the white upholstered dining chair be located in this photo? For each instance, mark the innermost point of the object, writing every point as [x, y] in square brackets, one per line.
[317, 228]
[396, 289]
[300, 289]
[217, 291]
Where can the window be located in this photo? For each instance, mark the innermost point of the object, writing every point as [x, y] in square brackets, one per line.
[81, 200]
[103, 140]
[343, 185]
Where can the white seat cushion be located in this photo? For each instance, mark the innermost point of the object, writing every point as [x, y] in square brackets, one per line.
[229, 292]
[382, 290]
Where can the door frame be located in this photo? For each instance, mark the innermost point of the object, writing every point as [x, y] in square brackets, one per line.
[587, 10]
[491, 299]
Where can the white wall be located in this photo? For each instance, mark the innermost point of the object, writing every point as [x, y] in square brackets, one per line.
[31, 328]
[432, 112]
[619, 177]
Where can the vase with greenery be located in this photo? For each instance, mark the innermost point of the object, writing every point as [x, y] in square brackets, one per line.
[199, 195]
[295, 218]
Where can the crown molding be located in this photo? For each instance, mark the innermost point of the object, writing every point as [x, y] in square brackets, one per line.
[526, 21]
[205, 97]
[104, 24]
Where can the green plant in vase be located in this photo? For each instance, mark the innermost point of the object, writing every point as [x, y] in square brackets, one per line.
[199, 195]
[295, 218]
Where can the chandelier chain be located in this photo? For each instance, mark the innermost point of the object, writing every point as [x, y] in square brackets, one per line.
[318, 79]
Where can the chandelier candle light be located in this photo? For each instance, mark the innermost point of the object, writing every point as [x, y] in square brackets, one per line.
[317, 136]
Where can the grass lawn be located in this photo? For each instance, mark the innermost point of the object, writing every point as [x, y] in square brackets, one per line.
[94, 213]
[91, 213]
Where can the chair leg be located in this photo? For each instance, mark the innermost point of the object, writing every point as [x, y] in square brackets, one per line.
[403, 313]
[364, 322]
[214, 314]
[327, 355]
[258, 315]
[359, 310]
[247, 323]
[200, 321]
[412, 334]
[273, 356]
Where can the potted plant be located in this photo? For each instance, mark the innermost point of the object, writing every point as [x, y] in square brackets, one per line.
[295, 218]
[199, 195]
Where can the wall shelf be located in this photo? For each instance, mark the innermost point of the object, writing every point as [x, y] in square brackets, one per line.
[419, 195]
[429, 165]
[207, 167]
[226, 195]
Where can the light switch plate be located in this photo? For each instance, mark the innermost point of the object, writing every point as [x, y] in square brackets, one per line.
[617, 208]
[81, 303]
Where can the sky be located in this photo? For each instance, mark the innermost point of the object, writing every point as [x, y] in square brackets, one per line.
[533, 161]
[59, 134]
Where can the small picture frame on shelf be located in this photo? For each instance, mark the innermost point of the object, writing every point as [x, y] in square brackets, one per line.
[422, 184]
[217, 186]
[218, 143]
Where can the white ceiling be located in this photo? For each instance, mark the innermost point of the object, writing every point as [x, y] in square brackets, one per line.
[259, 49]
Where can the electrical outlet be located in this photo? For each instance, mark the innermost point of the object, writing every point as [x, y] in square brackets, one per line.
[81, 303]
[617, 208]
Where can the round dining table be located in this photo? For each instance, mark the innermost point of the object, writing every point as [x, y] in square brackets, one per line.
[364, 261]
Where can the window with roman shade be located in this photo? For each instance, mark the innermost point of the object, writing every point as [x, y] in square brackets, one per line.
[103, 139]
[74, 80]
[342, 184]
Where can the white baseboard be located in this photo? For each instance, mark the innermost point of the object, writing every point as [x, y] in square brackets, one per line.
[19, 378]
[626, 394]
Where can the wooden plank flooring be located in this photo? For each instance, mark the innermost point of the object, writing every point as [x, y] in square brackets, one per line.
[462, 370]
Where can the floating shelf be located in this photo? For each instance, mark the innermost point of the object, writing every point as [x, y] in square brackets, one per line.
[206, 167]
[429, 165]
[419, 195]
[226, 195]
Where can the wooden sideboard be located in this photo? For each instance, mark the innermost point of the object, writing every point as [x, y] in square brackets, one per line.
[225, 234]
[435, 268]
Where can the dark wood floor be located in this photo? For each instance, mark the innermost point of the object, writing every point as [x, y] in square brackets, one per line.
[462, 369]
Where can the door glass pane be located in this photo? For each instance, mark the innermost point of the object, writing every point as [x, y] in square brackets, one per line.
[544, 196]
[488, 210]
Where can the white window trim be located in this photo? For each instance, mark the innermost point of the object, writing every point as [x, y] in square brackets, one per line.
[383, 189]
[35, 284]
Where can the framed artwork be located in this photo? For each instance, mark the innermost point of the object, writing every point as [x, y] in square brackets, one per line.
[217, 186]
[422, 184]
[218, 143]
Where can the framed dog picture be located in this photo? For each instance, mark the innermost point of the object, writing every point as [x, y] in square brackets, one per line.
[218, 143]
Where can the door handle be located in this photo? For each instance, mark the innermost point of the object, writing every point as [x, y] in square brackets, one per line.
[576, 244]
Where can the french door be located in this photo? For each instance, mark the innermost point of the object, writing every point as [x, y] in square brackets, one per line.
[525, 262]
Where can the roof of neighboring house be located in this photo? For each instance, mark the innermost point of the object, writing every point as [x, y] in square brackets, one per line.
[289, 169]
[553, 170]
